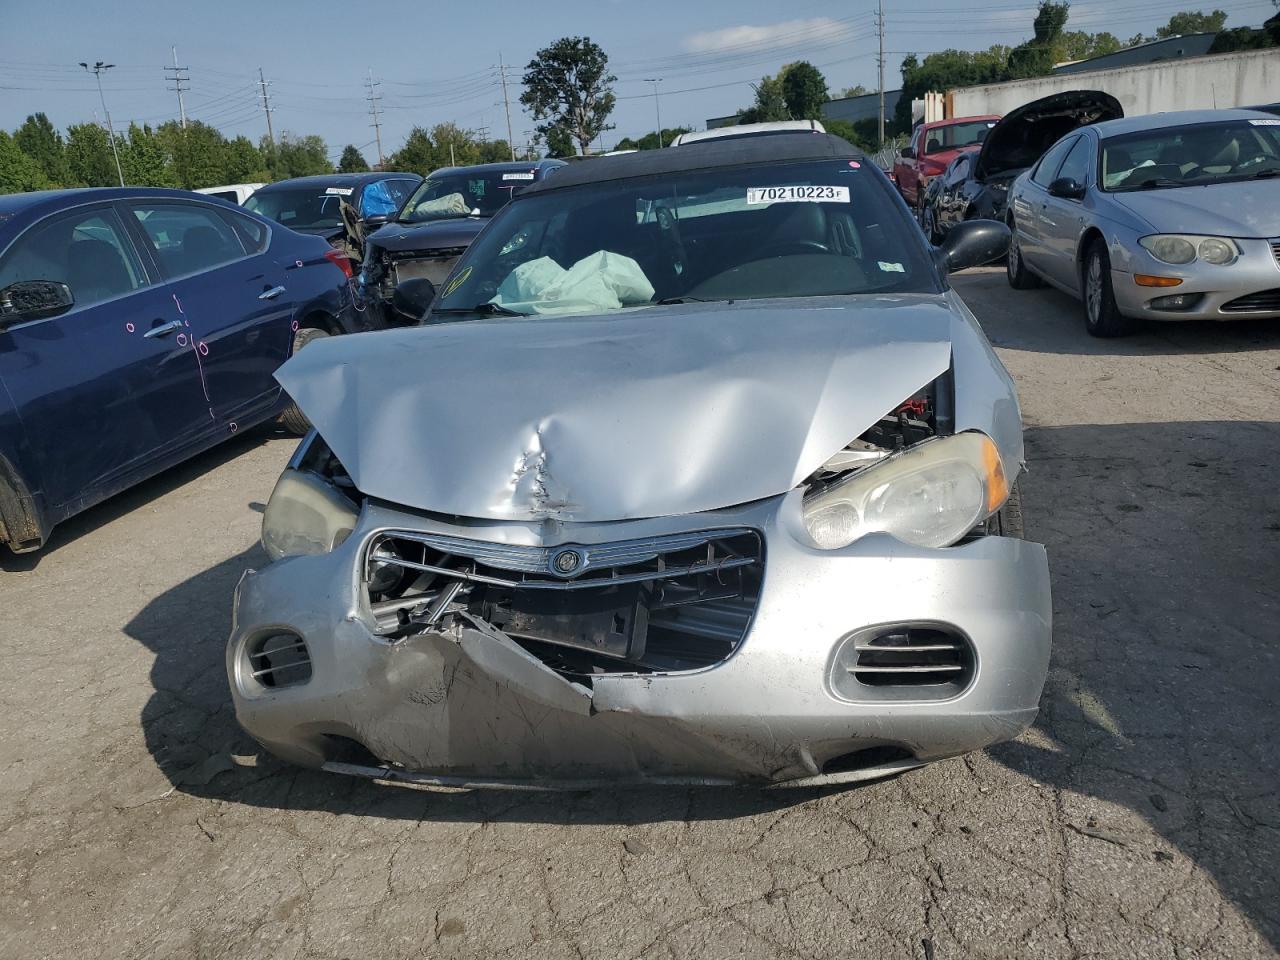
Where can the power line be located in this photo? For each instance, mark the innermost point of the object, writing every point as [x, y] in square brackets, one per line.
[179, 76]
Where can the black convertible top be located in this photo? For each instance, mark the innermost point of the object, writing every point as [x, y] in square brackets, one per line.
[703, 155]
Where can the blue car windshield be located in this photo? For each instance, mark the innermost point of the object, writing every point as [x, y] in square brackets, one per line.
[798, 229]
[1192, 155]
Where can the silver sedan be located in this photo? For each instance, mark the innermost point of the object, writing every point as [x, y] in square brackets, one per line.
[1174, 216]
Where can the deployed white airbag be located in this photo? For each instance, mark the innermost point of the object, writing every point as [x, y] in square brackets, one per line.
[451, 205]
[599, 282]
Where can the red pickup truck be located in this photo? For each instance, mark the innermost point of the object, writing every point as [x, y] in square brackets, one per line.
[933, 146]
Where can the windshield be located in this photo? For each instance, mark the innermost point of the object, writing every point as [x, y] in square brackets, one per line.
[773, 230]
[1191, 155]
[460, 194]
[957, 135]
[301, 208]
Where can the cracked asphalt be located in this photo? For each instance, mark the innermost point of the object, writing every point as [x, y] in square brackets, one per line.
[1139, 817]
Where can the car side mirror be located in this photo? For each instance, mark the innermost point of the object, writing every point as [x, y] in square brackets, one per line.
[375, 221]
[1068, 188]
[412, 298]
[34, 300]
[973, 243]
[907, 153]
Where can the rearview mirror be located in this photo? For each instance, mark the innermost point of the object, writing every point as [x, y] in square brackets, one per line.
[34, 300]
[1067, 188]
[907, 153]
[973, 243]
[412, 298]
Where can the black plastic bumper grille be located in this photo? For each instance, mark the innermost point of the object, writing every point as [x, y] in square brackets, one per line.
[1253, 302]
[904, 661]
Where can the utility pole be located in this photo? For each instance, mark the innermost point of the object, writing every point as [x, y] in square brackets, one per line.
[880, 62]
[506, 103]
[97, 70]
[266, 107]
[373, 99]
[657, 106]
[178, 79]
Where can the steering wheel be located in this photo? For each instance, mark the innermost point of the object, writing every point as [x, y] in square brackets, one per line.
[798, 246]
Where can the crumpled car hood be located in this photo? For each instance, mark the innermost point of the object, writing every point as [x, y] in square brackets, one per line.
[454, 232]
[651, 412]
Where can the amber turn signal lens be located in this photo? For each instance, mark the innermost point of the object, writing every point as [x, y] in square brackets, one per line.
[1146, 280]
[997, 483]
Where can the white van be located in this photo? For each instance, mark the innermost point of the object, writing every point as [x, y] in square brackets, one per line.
[237, 193]
[750, 130]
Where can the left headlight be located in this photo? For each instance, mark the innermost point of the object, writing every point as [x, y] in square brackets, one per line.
[305, 515]
[1181, 248]
[930, 495]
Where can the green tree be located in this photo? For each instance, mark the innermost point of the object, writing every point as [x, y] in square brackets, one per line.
[40, 141]
[857, 90]
[650, 140]
[1037, 56]
[567, 87]
[770, 103]
[944, 70]
[144, 159]
[559, 142]
[198, 153]
[856, 133]
[89, 160]
[297, 156]
[1080, 45]
[352, 160]
[18, 171]
[804, 89]
[245, 162]
[417, 154]
[1192, 21]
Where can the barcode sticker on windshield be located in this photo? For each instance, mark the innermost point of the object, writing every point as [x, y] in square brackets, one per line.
[338, 191]
[797, 195]
[517, 176]
[1265, 123]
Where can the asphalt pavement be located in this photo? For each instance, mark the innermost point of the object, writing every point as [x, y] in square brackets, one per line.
[1138, 818]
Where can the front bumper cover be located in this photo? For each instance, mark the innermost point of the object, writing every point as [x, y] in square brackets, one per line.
[462, 708]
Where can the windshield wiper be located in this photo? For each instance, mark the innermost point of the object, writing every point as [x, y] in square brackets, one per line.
[1271, 172]
[1155, 182]
[668, 301]
[484, 309]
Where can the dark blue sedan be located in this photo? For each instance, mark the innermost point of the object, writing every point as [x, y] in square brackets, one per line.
[139, 327]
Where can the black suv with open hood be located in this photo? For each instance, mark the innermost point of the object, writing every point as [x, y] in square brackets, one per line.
[975, 186]
[438, 223]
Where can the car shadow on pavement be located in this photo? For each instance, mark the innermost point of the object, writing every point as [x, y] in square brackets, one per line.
[1049, 321]
[142, 494]
[1159, 730]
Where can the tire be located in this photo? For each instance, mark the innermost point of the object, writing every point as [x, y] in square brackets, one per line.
[1102, 318]
[1007, 521]
[293, 419]
[1020, 278]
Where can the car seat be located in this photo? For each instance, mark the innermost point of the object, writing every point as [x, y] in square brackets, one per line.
[202, 248]
[96, 271]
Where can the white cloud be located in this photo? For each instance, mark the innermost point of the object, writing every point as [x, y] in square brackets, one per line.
[766, 36]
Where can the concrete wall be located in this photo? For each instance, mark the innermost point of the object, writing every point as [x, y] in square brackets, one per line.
[1224, 80]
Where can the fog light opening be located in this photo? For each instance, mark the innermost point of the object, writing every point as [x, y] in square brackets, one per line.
[279, 659]
[867, 758]
[1177, 301]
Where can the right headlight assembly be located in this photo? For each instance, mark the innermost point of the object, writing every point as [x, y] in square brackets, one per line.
[930, 495]
[307, 512]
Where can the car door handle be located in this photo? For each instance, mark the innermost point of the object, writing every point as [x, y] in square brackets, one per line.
[164, 329]
[271, 294]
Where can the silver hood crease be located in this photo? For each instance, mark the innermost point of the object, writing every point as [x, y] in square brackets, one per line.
[646, 413]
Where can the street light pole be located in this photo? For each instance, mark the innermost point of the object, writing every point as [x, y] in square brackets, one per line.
[96, 70]
[657, 106]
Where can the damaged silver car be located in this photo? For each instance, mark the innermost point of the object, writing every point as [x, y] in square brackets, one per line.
[697, 472]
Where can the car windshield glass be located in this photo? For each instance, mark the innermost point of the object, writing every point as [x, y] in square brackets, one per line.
[1191, 155]
[461, 194]
[817, 228]
[957, 135]
[301, 208]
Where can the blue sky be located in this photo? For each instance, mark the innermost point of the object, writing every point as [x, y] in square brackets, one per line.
[438, 61]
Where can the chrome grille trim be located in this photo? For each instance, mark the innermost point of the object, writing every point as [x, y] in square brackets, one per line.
[537, 560]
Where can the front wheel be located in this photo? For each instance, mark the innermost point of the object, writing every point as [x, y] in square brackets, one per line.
[293, 419]
[1020, 278]
[1007, 521]
[1102, 317]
